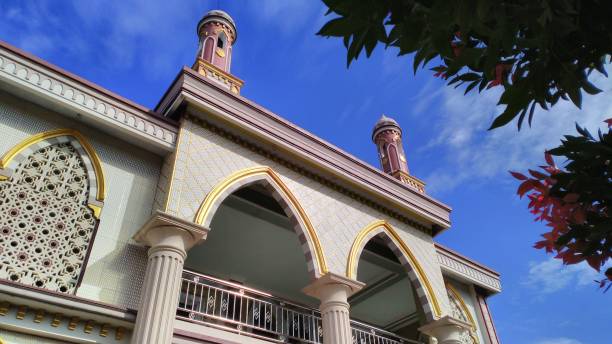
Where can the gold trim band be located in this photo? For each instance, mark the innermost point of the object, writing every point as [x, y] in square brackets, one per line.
[95, 160]
[359, 244]
[265, 171]
[456, 294]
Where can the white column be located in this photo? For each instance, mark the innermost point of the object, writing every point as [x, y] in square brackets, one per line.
[446, 330]
[333, 291]
[169, 238]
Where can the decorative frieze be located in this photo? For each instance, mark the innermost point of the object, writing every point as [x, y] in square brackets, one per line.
[463, 267]
[41, 318]
[83, 97]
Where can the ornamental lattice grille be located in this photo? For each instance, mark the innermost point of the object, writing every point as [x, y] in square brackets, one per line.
[45, 224]
[457, 312]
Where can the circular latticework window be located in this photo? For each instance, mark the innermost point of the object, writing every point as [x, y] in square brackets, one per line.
[45, 224]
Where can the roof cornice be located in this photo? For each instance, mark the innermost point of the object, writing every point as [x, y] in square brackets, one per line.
[25, 75]
[467, 269]
[251, 119]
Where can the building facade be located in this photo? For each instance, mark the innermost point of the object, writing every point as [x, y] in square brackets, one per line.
[210, 219]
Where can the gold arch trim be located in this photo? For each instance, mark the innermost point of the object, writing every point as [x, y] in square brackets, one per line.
[359, 244]
[465, 310]
[219, 189]
[93, 156]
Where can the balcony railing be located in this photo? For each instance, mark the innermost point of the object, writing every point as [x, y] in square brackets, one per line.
[233, 307]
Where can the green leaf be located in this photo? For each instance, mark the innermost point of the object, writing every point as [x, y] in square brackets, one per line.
[590, 88]
[576, 96]
[503, 119]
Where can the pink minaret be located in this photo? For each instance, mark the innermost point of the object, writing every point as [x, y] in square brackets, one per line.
[387, 135]
[217, 35]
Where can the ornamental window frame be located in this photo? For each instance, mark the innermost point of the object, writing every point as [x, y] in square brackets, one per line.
[96, 189]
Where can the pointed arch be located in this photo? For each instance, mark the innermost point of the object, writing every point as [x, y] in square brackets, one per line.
[465, 315]
[97, 189]
[273, 183]
[417, 276]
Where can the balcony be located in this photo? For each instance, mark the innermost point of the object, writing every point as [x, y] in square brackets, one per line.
[233, 307]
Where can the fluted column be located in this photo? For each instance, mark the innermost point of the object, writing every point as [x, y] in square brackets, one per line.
[333, 291]
[446, 330]
[169, 239]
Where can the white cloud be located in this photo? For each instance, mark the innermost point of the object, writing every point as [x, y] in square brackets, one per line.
[560, 340]
[287, 15]
[111, 34]
[550, 276]
[470, 153]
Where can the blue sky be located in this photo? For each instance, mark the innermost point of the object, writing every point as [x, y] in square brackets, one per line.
[136, 47]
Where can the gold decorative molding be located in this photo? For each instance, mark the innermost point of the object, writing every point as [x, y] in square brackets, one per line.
[93, 156]
[410, 180]
[465, 309]
[97, 210]
[72, 324]
[208, 69]
[359, 244]
[265, 172]
[103, 330]
[39, 315]
[119, 333]
[4, 308]
[21, 312]
[57, 319]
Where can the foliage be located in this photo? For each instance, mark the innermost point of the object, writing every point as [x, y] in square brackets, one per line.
[538, 51]
[575, 202]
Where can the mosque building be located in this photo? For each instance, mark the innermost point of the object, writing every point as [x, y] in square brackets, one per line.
[210, 219]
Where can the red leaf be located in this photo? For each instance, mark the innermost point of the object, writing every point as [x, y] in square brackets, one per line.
[571, 198]
[518, 176]
[525, 187]
[579, 216]
[595, 262]
[608, 122]
[537, 174]
[549, 159]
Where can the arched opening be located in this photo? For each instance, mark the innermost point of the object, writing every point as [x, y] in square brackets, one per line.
[248, 275]
[395, 296]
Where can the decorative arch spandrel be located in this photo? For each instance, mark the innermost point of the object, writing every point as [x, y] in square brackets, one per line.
[266, 176]
[416, 273]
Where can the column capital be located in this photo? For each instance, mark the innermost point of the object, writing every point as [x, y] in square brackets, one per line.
[165, 230]
[446, 330]
[331, 282]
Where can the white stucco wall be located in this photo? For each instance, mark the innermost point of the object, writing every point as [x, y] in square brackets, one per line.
[116, 264]
[205, 158]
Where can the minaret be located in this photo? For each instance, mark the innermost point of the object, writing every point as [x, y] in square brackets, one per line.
[217, 35]
[387, 135]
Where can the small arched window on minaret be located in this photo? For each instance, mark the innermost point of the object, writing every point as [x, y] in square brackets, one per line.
[221, 40]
